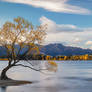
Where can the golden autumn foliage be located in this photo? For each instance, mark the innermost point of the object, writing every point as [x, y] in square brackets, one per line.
[47, 57]
[51, 66]
[3, 59]
[22, 34]
[52, 63]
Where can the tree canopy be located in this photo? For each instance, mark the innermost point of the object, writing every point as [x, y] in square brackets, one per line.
[15, 37]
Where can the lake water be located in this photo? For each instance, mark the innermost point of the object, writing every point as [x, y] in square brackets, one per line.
[72, 76]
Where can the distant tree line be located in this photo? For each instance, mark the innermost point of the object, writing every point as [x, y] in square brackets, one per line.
[48, 57]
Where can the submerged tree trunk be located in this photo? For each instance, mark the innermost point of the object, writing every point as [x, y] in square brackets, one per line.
[3, 73]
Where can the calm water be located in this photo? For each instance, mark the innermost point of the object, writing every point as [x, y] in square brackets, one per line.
[72, 76]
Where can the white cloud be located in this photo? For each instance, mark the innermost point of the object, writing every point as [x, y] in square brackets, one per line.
[77, 40]
[56, 28]
[88, 43]
[66, 33]
[54, 5]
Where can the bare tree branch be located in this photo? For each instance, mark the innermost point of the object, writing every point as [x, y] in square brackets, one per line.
[30, 67]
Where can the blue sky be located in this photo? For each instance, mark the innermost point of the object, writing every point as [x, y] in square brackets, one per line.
[69, 21]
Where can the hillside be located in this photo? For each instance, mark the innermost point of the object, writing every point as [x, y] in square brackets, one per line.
[59, 49]
[55, 50]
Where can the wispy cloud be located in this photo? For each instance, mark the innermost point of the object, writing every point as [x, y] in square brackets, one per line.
[54, 6]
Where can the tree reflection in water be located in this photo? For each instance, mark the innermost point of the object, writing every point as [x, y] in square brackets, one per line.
[3, 89]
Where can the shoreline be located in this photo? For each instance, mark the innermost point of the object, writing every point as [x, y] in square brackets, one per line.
[4, 83]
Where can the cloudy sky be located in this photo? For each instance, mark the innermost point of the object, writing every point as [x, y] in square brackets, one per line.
[69, 21]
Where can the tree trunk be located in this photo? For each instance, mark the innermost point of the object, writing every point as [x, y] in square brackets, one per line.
[3, 73]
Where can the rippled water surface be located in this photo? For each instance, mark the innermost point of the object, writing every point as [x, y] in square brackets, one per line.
[72, 76]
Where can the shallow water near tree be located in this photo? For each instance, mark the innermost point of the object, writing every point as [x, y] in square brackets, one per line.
[72, 76]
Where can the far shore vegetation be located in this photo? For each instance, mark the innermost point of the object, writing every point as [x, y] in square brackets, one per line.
[48, 57]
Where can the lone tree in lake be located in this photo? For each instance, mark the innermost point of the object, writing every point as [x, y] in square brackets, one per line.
[19, 38]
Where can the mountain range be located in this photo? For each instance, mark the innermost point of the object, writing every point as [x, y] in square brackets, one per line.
[56, 50]
[59, 49]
